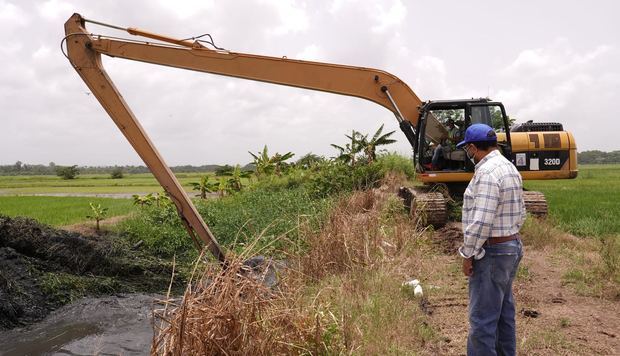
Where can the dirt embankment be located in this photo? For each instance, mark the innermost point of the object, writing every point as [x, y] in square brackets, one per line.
[554, 317]
[42, 268]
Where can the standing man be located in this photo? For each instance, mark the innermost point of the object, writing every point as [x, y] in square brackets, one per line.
[493, 213]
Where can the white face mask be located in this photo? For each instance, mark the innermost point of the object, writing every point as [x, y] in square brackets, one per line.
[471, 157]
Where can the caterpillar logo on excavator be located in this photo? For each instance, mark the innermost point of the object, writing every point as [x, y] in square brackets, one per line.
[538, 150]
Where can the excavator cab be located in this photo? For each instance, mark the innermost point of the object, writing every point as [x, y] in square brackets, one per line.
[436, 148]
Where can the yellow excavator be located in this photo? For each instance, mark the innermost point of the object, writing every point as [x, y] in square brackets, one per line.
[538, 150]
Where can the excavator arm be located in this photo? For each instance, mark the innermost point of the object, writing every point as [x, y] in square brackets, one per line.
[84, 52]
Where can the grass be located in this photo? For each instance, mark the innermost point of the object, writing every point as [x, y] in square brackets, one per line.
[275, 215]
[552, 340]
[591, 266]
[60, 211]
[67, 288]
[585, 206]
[90, 183]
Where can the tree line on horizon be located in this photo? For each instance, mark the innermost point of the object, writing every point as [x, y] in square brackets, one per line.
[20, 168]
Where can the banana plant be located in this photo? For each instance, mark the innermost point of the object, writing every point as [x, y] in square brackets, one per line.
[263, 163]
[142, 200]
[350, 150]
[223, 187]
[267, 165]
[369, 147]
[235, 182]
[279, 161]
[205, 186]
[97, 213]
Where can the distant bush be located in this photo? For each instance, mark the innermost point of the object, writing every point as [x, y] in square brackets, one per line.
[117, 173]
[69, 172]
[598, 157]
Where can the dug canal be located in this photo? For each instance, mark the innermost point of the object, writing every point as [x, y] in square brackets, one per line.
[115, 325]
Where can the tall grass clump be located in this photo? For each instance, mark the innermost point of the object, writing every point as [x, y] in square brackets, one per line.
[341, 295]
[271, 212]
[230, 312]
[393, 163]
[335, 177]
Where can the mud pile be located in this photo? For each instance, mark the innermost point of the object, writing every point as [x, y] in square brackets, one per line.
[42, 268]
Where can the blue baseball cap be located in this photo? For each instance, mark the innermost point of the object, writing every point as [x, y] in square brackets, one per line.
[478, 133]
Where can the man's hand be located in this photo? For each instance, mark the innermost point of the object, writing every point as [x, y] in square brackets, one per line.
[468, 266]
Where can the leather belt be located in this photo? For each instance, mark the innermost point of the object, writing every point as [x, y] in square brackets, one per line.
[498, 240]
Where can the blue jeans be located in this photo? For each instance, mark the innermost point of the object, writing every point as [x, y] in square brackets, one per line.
[492, 329]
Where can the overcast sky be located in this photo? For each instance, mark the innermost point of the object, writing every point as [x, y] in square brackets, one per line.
[546, 60]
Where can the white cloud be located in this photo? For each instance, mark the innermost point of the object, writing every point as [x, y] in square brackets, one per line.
[311, 53]
[12, 15]
[389, 17]
[293, 16]
[42, 52]
[559, 83]
[55, 9]
[527, 60]
[185, 9]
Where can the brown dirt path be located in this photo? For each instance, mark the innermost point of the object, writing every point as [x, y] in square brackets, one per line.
[568, 322]
[87, 228]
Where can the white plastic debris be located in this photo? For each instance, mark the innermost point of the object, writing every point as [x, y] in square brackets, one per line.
[415, 286]
[417, 291]
[412, 283]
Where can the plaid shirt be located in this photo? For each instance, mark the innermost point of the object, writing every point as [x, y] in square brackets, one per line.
[492, 204]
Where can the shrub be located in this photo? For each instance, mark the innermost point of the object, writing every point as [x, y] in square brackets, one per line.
[393, 162]
[69, 172]
[117, 173]
[275, 214]
[333, 178]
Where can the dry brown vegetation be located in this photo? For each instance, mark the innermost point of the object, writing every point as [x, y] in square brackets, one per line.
[343, 294]
[324, 300]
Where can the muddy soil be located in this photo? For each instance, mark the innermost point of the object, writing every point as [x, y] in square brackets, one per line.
[42, 268]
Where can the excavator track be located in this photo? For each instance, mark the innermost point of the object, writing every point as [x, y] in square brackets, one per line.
[535, 203]
[431, 207]
[427, 208]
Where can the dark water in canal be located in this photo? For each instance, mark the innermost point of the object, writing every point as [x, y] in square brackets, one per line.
[119, 325]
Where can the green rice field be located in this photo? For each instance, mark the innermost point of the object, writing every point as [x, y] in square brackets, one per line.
[89, 184]
[588, 205]
[61, 211]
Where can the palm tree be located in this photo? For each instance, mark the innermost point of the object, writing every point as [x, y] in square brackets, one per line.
[370, 147]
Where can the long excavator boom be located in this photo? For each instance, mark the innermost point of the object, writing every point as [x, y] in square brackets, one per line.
[84, 52]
